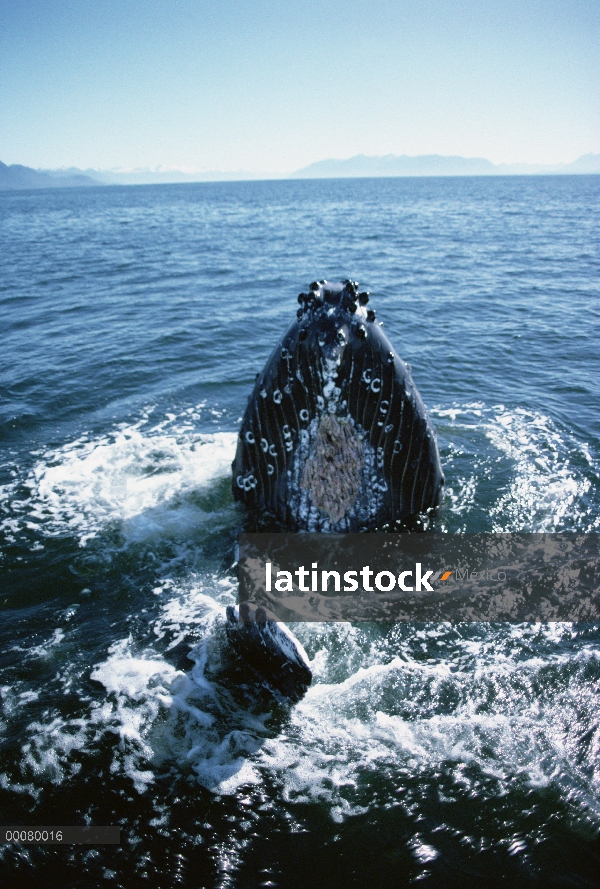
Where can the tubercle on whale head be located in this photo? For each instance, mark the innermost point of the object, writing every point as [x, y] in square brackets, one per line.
[332, 300]
[326, 312]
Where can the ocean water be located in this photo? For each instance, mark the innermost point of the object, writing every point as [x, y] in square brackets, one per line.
[133, 321]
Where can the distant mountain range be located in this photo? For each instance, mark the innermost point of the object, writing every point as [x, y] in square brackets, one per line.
[437, 165]
[16, 176]
[362, 165]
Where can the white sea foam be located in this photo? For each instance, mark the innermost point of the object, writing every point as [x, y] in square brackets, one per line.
[538, 474]
[373, 706]
[141, 479]
[358, 722]
[339, 728]
[546, 488]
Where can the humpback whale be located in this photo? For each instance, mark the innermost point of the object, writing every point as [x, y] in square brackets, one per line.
[335, 436]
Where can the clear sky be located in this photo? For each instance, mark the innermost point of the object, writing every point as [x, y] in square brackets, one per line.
[273, 85]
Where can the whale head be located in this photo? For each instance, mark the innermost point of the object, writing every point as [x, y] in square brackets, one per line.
[335, 436]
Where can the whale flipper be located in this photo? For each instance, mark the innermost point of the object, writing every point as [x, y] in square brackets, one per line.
[270, 648]
[335, 436]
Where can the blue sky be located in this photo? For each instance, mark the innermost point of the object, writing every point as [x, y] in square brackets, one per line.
[273, 85]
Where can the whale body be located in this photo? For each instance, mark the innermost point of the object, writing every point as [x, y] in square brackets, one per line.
[335, 436]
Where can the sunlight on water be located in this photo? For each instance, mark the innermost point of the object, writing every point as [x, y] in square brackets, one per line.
[424, 750]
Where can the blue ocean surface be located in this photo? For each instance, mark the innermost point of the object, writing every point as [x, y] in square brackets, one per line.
[133, 322]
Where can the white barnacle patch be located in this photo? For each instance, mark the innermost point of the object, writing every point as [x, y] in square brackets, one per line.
[376, 385]
[277, 396]
[246, 482]
[366, 376]
[328, 389]
[331, 392]
[304, 415]
[270, 469]
[249, 437]
[264, 445]
[287, 438]
[272, 450]
[263, 392]
[332, 475]
[397, 446]
[333, 395]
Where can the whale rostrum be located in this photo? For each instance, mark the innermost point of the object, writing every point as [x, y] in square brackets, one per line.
[335, 436]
